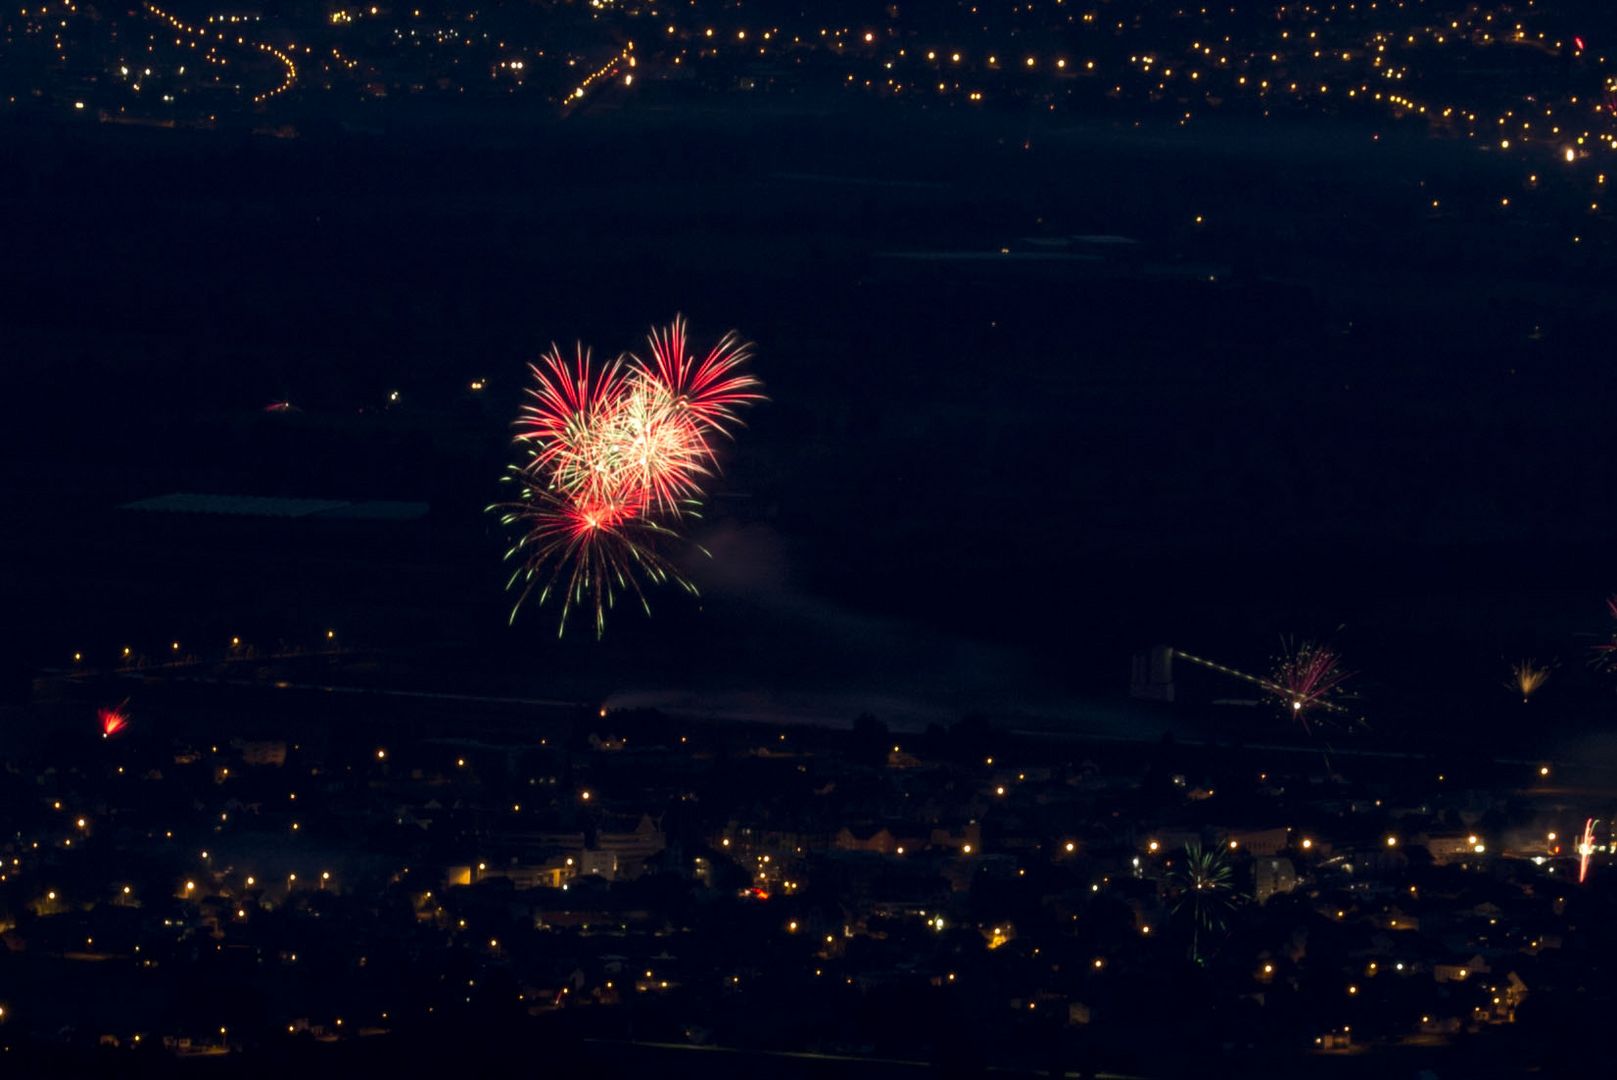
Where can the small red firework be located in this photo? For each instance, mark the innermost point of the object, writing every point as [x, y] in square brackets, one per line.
[113, 720]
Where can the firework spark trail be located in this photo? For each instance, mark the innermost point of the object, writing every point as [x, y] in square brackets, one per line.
[1586, 847]
[572, 405]
[1305, 678]
[614, 454]
[1205, 891]
[657, 449]
[708, 391]
[1527, 678]
[592, 550]
[113, 720]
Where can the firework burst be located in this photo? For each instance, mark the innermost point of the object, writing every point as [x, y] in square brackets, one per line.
[705, 392]
[565, 424]
[1205, 891]
[587, 551]
[658, 451]
[1306, 679]
[1527, 677]
[616, 455]
[113, 719]
[1203, 882]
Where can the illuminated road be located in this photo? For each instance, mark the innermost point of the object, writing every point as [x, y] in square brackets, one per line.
[289, 70]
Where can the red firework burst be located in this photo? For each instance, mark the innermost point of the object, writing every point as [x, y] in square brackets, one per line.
[614, 454]
[706, 391]
[571, 406]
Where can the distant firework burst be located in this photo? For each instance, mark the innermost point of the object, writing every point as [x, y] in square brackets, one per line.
[1204, 883]
[112, 720]
[1307, 678]
[1527, 678]
[1205, 891]
[615, 456]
